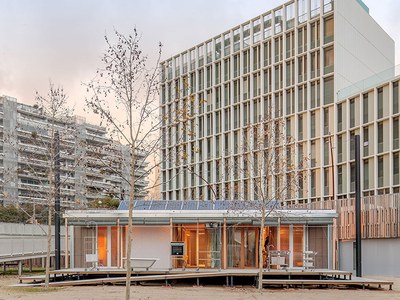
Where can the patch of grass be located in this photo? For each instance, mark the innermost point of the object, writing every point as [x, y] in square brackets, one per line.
[25, 271]
[36, 289]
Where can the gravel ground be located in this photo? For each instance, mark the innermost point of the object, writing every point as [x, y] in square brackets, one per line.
[189, 292]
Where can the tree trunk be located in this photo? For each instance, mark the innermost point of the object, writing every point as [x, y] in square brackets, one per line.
[260, 249]
[130, 227]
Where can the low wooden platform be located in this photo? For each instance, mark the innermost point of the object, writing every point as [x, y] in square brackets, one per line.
[281, 278]
[360, 282]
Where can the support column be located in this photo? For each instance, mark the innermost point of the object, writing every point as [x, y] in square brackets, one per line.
[20, 267]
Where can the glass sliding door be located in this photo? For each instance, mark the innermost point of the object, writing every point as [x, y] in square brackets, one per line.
[242, 247]
[107, 249]
[202, 245]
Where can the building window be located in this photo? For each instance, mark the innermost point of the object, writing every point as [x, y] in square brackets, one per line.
[300, 127]
[396, 168]
[328, 5]
[366, 141]
[365, 108]
[339, 148]
[313, 180]
[256, 58]
[246, 62]
[352, 113]
[278, 20]
[302, 68]
[380, 171]
[246, 35]
[326, 121]
[395, 97]
[278, 49]
[395, 133]
[329, 60]
[227, 44]
[328, 30]
[380, 103]
[380, 137]
[302, 10]
[290, 46]
[366, 174]
[256, 30]
[315, 58]
[267, 53]
[340, 179]
[217, 52]
[340, 117]
[236, 65]
[312, 124]
[236, 39]
[326, 151]
[267, 26]
[315, 8]
[315, 94]
[328, 90]
[302, 39]
[315, 32]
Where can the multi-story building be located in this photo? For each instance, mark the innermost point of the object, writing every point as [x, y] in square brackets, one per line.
[92, 166]
[295, 63]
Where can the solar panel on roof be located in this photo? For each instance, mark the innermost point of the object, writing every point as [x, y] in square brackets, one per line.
[189, 205]
[221, 205]
[158, 205]
[142, 205]
[205, 205]
[173, 205]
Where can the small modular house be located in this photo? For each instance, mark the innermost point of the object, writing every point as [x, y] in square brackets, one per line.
[201, 234]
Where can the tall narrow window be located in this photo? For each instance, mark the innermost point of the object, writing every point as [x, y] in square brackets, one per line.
[328, 90]
[302, 10]
[278, 20]
[396, 97]
[236, 39]
[246, 35]
[352, 113]
[326, 121]
[267, 25]
[395, 133]
[290, 16]
[227, 44]
[365, 108]
[380, 171]
[256, 31]
[366, 174]
[396, 168]
[340, 117]
[328, 30]
[328, 60]
[380, 137]
[315, 8]
[380, 103]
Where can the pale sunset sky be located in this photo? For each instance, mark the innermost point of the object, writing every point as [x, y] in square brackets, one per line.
[63, 40]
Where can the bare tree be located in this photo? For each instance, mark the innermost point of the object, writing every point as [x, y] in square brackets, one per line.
[269, 172]
[54, 108]
[125, 96]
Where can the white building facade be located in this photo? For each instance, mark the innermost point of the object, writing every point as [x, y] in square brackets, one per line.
[289, 63]
[92, 166]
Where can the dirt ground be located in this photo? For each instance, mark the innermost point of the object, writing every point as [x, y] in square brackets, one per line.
[189, 292]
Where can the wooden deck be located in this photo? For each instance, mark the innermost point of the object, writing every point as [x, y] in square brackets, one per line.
[277, 278]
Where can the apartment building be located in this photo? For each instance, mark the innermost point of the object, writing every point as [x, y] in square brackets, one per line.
[290, 63]
[92, 166]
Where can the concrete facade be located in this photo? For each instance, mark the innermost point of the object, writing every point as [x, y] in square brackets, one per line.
[291, 63]
[92, 165]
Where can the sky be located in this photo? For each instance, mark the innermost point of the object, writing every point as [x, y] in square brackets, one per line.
[63, 40]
